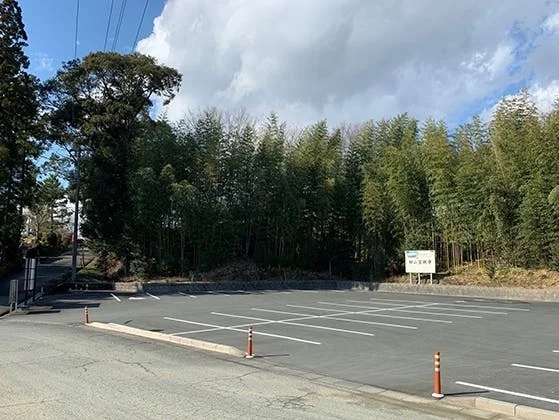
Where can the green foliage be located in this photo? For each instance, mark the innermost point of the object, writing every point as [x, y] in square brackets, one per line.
[96, 108]
[19, 107]
[171, 198]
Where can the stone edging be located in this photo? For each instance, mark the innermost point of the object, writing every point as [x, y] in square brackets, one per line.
[162, 288]
[512, 293]
[189, 342]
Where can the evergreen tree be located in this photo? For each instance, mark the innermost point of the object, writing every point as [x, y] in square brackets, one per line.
[96, 105]
[18, 116]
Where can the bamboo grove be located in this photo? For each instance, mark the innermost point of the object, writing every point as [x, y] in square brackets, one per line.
[348, 200]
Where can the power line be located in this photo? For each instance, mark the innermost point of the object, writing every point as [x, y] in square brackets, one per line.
[108, 25]
[76, 35]
[140, 26]
[119, 23]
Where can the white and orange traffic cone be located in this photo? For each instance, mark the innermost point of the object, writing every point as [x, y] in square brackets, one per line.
[249, 354]
[437, 392]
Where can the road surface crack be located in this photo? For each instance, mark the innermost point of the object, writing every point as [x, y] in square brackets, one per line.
[45, 400]
[139, 364]
[290, 402]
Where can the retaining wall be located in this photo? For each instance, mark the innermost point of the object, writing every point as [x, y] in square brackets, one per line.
[512, 293]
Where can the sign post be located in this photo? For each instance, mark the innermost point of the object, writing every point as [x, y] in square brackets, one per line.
[420, 261]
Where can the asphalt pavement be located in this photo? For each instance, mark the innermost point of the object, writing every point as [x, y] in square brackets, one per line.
[69, 371]
[48, 268]
[504, 350]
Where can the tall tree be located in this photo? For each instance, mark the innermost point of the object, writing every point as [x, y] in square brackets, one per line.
[475, 166]
[18, 112]
[440, 164]
[515, 135]
[96, 106]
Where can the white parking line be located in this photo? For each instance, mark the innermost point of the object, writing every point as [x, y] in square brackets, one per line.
[555, 351]
[486, 307]
[367, 313]
[535, 368]
[184, 294]
[281, 312]
[435, 305]
[313, 307]
[309, 291]
[503, 391]
[400, 300]
[152, 296]
[333, 316]
[377, 302]
[401, 309]
[437, 313]
[339, 291]
[218, 327]
[289, 322]
[463, 304]
[136, 298]
[116, 297]
[213, 292]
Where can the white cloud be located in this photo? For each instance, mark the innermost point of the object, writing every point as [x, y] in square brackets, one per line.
[543, 96]
[44, 63]
[349, 60]
[552, 22]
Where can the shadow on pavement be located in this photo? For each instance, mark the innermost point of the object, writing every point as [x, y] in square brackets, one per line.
[261, 356]
[456, 394]
[42, 311]
[75, 305]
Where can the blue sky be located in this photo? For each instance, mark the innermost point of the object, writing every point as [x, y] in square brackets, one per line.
[342, 60]
[50, 26]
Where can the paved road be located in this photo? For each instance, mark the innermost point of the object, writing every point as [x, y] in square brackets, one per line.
[497, 349]
[69, 371]
[47, 269]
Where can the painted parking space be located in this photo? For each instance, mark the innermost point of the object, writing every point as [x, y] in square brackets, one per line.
[375, 338]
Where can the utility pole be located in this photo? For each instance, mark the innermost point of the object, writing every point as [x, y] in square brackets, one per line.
[77, 168]
[76, 216]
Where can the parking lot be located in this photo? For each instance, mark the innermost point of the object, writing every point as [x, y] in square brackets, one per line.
[505, 350]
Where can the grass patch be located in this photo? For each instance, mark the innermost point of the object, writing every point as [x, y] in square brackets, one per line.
[91, 273]
[497, 276]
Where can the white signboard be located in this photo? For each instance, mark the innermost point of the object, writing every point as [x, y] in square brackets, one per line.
[420, 262]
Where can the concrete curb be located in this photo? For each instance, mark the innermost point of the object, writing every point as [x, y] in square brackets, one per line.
[474, 406]
[514, 410]
[478, 407]
[188, 342]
